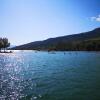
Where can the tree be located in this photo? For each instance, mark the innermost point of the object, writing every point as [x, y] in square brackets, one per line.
[4, 43]
[1, 44]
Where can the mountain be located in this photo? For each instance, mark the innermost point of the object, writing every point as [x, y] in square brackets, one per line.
[82, 41]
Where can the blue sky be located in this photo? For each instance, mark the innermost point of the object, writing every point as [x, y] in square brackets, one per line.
[23, 21]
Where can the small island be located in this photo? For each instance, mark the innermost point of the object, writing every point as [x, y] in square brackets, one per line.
[4, 44]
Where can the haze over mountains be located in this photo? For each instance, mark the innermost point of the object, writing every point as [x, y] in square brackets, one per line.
[83, 41]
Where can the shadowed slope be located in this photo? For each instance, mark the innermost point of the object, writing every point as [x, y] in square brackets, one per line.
[80, 41]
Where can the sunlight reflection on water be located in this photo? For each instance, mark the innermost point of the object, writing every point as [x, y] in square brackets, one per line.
[46, 76]
[13, 70]
[9, 80]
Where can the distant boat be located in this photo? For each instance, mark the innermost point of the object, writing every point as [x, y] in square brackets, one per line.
[52, 52]
[35, 51]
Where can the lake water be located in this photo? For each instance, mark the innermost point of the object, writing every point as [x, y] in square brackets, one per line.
[31, 75]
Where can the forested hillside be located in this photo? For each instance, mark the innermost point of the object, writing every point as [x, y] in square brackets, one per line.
[88, 41]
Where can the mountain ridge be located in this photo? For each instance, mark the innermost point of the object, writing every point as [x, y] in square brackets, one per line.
[56, 43]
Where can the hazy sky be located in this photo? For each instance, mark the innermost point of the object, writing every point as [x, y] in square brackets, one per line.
[23, 21]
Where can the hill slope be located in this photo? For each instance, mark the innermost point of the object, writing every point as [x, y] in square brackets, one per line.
[82, 41]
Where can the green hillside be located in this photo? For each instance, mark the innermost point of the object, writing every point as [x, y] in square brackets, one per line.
[88, 41]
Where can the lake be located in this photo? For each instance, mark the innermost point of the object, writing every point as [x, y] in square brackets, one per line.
[30, 75]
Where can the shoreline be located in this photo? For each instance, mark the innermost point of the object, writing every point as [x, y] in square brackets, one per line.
[7, 52]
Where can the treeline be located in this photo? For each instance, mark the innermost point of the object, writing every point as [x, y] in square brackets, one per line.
[86, 45]
[4, 43]
[86, 41]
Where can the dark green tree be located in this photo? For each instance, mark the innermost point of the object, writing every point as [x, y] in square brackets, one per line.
[1, 44]
[5, 43]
